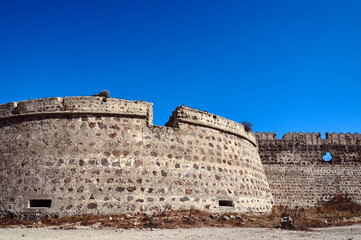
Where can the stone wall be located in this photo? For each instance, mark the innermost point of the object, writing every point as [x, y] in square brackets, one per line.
[297, 173]
[85, 155]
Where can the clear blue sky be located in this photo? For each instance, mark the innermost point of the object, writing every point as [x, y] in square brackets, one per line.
[282, 65]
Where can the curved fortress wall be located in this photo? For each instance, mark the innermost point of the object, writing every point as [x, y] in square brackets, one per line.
[81, 155]
[297, 173]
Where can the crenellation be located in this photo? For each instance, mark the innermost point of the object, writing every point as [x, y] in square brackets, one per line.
[104, 156]
[298, 158]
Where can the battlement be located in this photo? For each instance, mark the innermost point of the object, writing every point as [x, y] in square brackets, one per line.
[312, 138]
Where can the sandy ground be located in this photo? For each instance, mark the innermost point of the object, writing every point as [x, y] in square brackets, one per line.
[348, 232]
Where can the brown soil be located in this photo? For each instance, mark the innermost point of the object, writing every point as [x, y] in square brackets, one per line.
[339, 211]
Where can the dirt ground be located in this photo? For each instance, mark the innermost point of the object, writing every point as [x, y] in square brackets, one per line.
[344, 232]
[340, 218]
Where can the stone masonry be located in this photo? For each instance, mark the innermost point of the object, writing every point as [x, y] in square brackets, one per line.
[297, 173]
[86, 155]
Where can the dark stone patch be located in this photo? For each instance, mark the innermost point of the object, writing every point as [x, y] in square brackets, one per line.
[184, 199]
[92, 206]
[195, 166]
[161, 199]
[102, 126]
[207, 206]
[105, 162]
[60, 162]
[161, 190]
[154, 154]
[115, 127]
[150, 190]
[217, 177]
[116, 153]
[118, 171]
[131, 189]
[69, 207]
[150, 199]
[81, 162]
[139, 200]
[177, 165]
[116, 164]
[112, 135]
[91, 124]
[139, 180]
[80, 189]
[129, 198]
[137, 163]
[155, 173]
[67, 180]
[170, 156]
[125, 153]
[188, 191]
[164, 174]
[120, 189]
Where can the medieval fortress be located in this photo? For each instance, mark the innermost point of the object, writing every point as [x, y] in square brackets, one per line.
[95, 155]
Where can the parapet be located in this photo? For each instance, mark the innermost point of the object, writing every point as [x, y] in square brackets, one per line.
[188, 115]
[78, 105]
[312, 138]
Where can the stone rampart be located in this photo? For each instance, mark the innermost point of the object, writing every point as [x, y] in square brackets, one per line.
[81, 155]
[299, 176]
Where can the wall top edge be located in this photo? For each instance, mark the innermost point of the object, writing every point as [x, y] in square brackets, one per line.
[187, 115]
[77, 104]
[307, 135]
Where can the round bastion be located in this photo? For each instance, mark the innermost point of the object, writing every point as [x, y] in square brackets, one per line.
[91, 155]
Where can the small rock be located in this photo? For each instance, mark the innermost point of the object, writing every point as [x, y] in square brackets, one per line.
[213, 215]
[225, 217]
[110, 218]
[232, 217]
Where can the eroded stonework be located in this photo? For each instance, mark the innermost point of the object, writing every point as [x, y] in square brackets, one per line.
[82, 155]
[300, 177]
